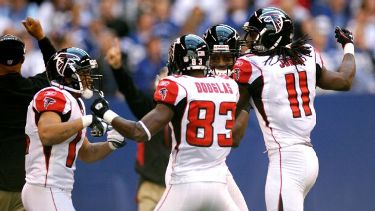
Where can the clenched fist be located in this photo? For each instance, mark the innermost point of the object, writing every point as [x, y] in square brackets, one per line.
[34, 28]
[343, 36]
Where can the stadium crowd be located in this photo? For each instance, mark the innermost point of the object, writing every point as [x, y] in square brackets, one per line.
[146, 28]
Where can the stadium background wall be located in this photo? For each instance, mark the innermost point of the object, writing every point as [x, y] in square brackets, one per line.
[344, 139]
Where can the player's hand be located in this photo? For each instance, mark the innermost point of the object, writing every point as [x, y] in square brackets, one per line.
[34, 28]
[115, 139]
[343, 36]
[113, 55]
[98, 127]
[99, 107]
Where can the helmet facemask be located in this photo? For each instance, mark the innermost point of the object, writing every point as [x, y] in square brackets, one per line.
[224, 44]
[88, 82]
[222, 62]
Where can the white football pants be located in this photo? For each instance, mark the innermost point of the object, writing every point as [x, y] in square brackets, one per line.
[197, 196]
[37, 198]
[292, 172]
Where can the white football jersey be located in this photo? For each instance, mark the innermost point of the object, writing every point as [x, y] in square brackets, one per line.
[52, 166]
[201, 126]
[282, 96]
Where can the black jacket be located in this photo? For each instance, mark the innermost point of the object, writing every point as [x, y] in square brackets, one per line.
[153, 155]
[16, 93]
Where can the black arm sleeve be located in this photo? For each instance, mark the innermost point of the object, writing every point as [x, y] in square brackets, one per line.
[140, 103]
[40, 80]
[47, 49]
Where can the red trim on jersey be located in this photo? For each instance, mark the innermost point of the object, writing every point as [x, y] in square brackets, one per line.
[305, 93]
[166, 92]
[50, 100]
[72, 150]
[53, 199]
[281, 180]
[292, 94]
[47, 155]
[164, 198]
[242, 71]
[262, 111]
[140, 153]
[27, 144]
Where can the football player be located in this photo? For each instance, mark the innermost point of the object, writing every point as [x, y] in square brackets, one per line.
[201, 113]
[279, 77]
[56, 132]
[224, 44]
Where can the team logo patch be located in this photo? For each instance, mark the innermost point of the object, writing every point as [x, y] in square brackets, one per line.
[63, 60]
[274, 17]
[48, 101]
[163, 93]
[236, 74]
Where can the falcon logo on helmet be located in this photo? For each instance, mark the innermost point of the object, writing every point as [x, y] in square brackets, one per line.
[274, 17]
[72, 69]
[64, 59]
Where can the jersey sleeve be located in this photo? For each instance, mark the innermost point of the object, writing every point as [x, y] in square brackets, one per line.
[242, 71]
[51, 100]
[167, 92]
[318, 58]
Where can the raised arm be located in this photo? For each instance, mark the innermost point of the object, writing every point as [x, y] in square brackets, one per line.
[342, 79]
[140, 103]
[34, 28]
[139, 131]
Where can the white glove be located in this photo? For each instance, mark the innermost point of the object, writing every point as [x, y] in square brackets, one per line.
[115, 139]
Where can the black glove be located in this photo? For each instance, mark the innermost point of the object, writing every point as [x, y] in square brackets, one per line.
[99, 107]
[98, 127]
[343, 36]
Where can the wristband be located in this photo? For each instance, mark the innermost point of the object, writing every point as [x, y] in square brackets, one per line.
[146, 129]
[349, 48]
[111, 146]
[86, 120]
[248, 107]
[109, 116]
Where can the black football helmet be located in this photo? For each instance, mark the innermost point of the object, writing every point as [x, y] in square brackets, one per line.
[223, 41]
[72, 69]
[268, 28]
[188, 52]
